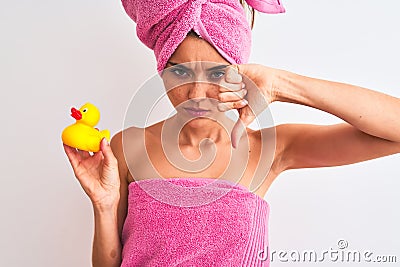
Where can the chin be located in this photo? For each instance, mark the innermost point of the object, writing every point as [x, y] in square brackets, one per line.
[198, 122]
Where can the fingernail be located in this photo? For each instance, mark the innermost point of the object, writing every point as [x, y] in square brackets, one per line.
[221, 107]
[229, 75]
[104, 140]
[244, 102]
[234, 145]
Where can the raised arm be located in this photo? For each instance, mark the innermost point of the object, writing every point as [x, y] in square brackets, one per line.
[370, 111]
[372, 127]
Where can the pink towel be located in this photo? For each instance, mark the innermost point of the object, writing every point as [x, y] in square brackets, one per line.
[194, 222]
[163, 24]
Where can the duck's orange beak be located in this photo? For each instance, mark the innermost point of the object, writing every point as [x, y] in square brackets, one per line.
[76, 114]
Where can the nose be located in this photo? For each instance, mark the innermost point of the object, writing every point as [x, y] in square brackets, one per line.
[198, 91]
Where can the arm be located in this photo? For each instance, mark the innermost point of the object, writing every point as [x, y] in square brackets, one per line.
[98, 175]
[372, 129]
[372, 112]
[116, 146]
[106, 242]
[311, 146]
[109, 219]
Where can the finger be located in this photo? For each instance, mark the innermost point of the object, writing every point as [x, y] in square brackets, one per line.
[232, 105]
[232, 81]
[109, 158]
[245, 118]
[84, 154]
[232, 96]
[232, 75]
[73, 156]
[229, 87]
[98, 156]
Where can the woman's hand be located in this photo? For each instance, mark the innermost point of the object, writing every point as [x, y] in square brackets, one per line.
[257, 80]
[97, 174]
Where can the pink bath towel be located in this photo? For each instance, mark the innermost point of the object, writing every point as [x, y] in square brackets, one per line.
[163, 24]
[194, 222]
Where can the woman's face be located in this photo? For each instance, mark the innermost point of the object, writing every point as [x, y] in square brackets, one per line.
[192, 77]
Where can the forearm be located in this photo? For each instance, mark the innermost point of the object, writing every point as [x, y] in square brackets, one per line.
[372, 112]
[106, 242]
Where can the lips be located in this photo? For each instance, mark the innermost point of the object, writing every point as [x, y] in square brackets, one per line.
[196, 111]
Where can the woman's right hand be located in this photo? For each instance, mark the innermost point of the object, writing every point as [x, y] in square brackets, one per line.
[259, 83]
[97, 174]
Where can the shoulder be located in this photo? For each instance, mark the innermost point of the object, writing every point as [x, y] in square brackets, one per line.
[280, 134]
[293, 142]
[134, 133]
[117, 149]
[126, 138]
[270, 135]
[129, 137]
[132, 138]
[278, 137]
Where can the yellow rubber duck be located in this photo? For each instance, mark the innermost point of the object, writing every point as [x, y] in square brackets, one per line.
[82, 134]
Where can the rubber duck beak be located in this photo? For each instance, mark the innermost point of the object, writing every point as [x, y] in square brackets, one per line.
[76, 114]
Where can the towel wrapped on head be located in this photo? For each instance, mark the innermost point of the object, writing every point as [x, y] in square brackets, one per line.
[163, 24]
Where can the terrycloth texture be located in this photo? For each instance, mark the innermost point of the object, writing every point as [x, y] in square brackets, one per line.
[163, 24]
[194, 222]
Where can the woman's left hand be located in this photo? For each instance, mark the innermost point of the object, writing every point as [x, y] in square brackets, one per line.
[258, 81]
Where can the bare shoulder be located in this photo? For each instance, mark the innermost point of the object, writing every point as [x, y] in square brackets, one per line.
[134, 133]
[274, 140]
[129, 137]
[117, 149]
[273, 135]
[266, 156]
[118, 142]
[129, 146]
[131, 132]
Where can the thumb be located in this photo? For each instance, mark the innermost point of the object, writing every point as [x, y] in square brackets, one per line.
[243, 69]
[109, 158]
[245, 118]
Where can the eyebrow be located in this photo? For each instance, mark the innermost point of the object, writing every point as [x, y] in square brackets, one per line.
[213, 68]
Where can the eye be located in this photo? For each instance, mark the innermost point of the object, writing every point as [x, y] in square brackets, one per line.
[179, 72]
[84, 110]
[217, 74]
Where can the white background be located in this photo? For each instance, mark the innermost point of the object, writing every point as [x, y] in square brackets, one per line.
[58, 54]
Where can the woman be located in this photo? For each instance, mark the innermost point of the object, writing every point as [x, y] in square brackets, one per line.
[108, 175]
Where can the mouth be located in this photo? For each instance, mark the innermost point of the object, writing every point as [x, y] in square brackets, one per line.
[196, 112]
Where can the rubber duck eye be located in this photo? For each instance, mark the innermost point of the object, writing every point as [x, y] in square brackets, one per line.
[84, 110]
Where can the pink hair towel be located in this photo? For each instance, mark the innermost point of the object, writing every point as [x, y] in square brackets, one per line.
[194, 222]
[163, 24]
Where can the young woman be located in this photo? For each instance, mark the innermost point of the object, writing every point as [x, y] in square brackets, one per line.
[201, 130]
